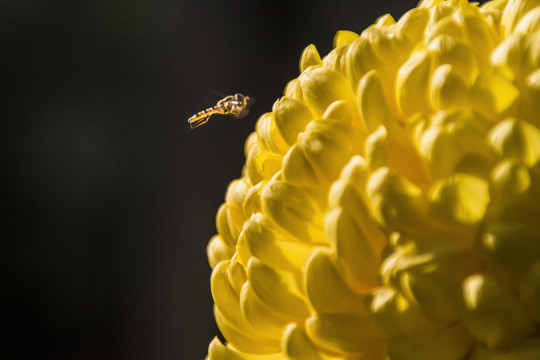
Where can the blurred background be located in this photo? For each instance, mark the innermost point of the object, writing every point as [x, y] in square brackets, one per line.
[110, 197]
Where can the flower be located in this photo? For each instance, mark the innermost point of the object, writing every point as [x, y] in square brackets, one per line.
[389, 205]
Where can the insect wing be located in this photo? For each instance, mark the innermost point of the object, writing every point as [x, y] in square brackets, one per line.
[243, 113]
[250, 101]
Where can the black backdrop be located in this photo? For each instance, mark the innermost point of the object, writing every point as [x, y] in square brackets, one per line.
[111, 198]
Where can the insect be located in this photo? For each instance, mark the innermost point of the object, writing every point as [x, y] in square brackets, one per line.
[236, 105]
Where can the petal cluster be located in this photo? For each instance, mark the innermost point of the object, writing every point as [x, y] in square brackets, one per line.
[389, 207]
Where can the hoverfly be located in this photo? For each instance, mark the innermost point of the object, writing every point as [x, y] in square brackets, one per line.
[236, 105]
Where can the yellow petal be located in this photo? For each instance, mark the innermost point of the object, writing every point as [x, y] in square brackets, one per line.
[251, 169]
[340, 111]
[246, 342]
[226, 225]
[508, 55]
[355, 237]
[514, 11]
[335, 60]
[310, 56]
[227, 299]
[390, 147]
[252, 200]
[271, 247]
[356, 249]
[516, 139]
[322, 86]
[327, 147]
[218, 251]
[411, 89]
[291, 117]
[479, 35]
[493, 314]
[385, 20]
[298, 170]
[325, 287]
[459, 199]
[344, 37]
[388, 46]
[423, 268]
[530, 99]
[297, 346]
[396, 202]
[372, 102]
[293, 90]
[530, 22]
[444, 24]
[437, 295]
[237, 275]
[511, 180]
[277, 289]
[217, 351]
[493, 95]
[447, 50]
[413, 23]
[396, 315]
[447, 89]
[267, 163]
[360, 59]
[511, 249]
[269, 135]
[265, 321]
[352, 333]
[295, 210]
[450, 137]
[377, 148]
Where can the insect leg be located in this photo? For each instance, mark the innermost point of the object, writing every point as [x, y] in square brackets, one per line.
[197, 121]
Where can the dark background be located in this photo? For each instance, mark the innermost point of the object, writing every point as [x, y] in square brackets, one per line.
[111, 198]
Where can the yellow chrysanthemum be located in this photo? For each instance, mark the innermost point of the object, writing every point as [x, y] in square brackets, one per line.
[389, 206]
